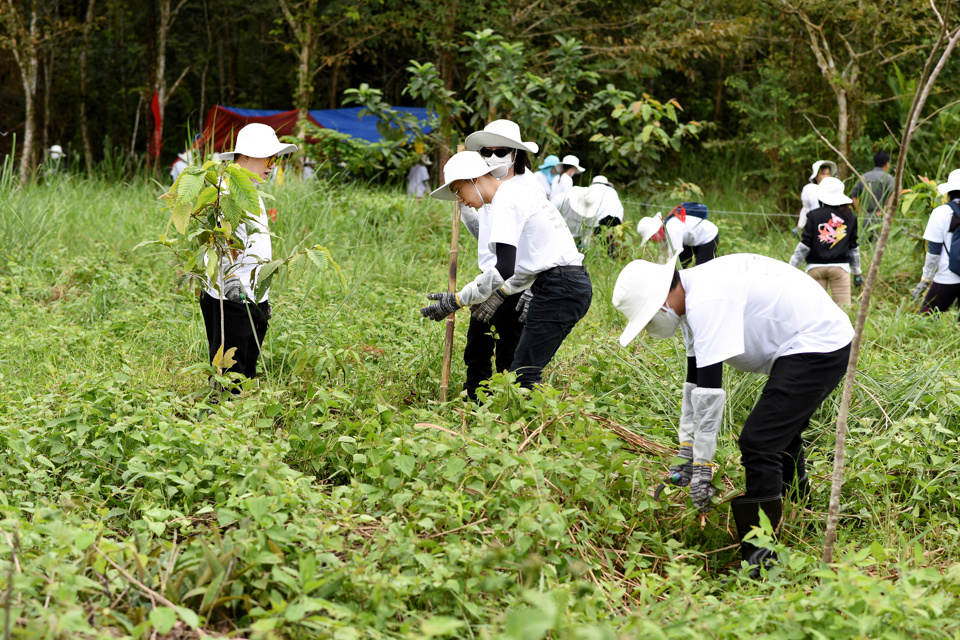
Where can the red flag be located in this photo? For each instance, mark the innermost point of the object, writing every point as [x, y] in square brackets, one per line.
[156, 142]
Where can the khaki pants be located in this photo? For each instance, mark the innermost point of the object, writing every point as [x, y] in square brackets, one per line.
[835, 280]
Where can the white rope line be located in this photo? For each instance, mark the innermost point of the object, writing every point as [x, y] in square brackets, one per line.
[736, 213]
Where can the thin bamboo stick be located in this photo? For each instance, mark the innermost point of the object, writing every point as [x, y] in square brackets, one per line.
[451, 320]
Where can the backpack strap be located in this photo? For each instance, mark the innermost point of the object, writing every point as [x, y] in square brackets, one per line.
[955, 221]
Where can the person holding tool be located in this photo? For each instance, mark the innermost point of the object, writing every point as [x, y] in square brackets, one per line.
[506, 153]
[757, 315]
[532, 249]
[829, 242]
[940, 281]
[245, 318]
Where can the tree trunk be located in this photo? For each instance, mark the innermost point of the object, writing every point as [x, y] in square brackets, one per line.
[26, 54]
[84, 128]
[48, 61]
[304, 79]
[843, 128]
[333, 83]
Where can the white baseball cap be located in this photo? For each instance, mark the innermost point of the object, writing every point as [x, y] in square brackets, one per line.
[642, 288]
[830, 191]
[648, 226]
[257, 141]
[56, 152]
[465, 165]
[572, 161]
[499, 133]
[819, 163]
[952, 183]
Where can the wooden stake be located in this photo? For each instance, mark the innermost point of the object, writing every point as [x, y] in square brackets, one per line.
[451, 320]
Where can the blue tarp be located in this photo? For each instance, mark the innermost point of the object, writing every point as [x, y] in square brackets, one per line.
[347, 120]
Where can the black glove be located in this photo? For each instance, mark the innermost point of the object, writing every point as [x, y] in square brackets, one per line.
[233, 291]
[524, 304]
[858, 281]
[485, 310]
[445, 305]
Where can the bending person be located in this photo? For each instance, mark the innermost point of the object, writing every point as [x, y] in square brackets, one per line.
[940, 282]
[688, 233]
[829, 242]
[757, 315]
[533, 250]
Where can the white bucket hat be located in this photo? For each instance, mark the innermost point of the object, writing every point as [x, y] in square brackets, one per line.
[642, 288]
[572, 161]
[952, 183]
[499, 133]
[819, 163]
[600, 180]
[56, 152]
[830, 191]
[257, 141]
[584, 201]
[465, 165]
[648, 226]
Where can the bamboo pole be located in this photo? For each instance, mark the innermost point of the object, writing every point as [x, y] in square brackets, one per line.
[451, 320]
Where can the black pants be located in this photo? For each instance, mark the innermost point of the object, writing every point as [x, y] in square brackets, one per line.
[239, 332]
[940, 297]
[560, 299]
[771, 446]
[703, 252]
[499, 337]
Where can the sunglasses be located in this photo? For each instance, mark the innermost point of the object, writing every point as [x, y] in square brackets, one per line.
[500, 153]
[272, 161]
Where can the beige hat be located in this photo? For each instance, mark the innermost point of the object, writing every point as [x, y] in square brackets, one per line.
[257, 141]
[642, 288]
[572, 161]
[830, 191]
[952, 183]
[465, 165]
[499, 133]
[819, 163]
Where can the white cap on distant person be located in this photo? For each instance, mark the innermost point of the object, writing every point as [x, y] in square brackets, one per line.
[600, 180]
[56, 152]
[465, 165]
[499, 133]
[952, 183]
[819, 163]
[572, 161]
[830, 191]
[642, 288]
[257, 141]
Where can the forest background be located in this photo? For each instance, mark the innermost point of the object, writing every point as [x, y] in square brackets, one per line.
[747, 78]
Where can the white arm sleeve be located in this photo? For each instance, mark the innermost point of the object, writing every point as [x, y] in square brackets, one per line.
[800, 254]
[481, 288]
[518, 283]
[930, 267]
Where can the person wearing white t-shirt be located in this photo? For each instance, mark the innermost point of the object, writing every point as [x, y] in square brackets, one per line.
[533, 250]
[563, 181]
[245, 318]
[755, 314]
[690, 235]
[507, 154]
[418, 178]
[808, 196]
[939, 285]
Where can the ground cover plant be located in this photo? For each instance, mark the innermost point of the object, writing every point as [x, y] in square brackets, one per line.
[335, 497]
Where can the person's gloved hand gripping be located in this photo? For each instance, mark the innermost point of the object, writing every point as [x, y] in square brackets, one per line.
[930, 264]
[475, 292]
[506, 264]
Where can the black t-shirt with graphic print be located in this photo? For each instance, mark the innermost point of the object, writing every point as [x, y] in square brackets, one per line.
[831, 232]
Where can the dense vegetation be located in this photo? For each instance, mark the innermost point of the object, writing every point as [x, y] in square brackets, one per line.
[754, 75]
[337, 498]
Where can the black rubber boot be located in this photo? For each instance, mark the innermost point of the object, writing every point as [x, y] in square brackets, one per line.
[746, 515]
[797, 492]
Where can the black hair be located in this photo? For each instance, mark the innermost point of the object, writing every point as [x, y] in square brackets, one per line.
[676, 280]
[953, 195]
[521, 162]
[881, 158]
[845, 208]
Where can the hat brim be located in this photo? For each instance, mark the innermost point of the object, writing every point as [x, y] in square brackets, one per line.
[444, 192]
[547, 165]
[480, 139]
[280, 149]
[829, 163]
[947, 187]
[643, 316]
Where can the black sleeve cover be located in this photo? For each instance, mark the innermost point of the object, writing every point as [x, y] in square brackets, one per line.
[506, 260]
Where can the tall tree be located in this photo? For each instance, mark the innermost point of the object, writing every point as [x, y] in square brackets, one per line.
[166, 17]
[22, 35]
[84, 125]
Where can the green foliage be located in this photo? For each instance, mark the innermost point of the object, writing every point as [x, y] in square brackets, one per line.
[334, 497]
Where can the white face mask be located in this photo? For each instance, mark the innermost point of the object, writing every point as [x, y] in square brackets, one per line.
[663, 324]
[500, 166]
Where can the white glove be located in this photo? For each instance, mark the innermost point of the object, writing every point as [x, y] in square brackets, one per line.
[481, 288]
[800, 254]
[708, 404]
